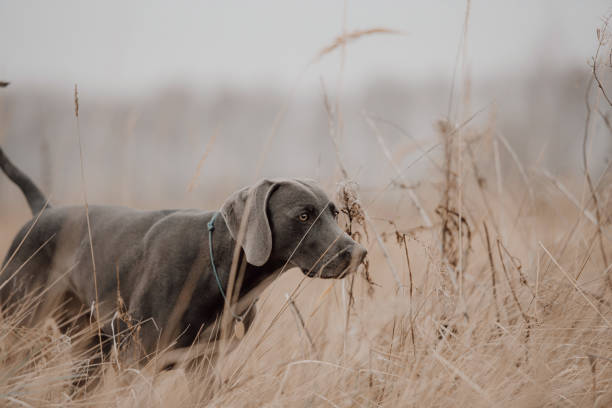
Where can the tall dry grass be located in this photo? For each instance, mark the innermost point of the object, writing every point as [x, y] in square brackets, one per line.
[487, 285]
[505, 303]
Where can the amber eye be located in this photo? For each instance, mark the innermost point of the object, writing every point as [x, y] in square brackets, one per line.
[303, 217]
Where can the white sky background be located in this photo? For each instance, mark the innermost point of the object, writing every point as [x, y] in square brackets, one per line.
[127, 47]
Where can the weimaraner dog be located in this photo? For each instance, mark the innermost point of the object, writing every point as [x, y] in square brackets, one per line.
[171, 268]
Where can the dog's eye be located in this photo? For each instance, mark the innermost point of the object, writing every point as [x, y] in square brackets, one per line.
[336, 212]
[303, 217]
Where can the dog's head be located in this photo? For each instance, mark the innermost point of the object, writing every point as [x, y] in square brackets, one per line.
[295, 221]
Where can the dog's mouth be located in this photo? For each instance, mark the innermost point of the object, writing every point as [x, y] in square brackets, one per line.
[338, 266]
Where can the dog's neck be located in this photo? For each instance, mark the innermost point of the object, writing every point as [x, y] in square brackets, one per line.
[256, 280]
[248, 297]
[250, 280]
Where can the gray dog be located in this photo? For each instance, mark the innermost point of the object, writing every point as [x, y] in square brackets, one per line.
[171, 268]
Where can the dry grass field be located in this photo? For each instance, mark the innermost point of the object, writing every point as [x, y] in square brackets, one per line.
[488, 284]
[502, 301]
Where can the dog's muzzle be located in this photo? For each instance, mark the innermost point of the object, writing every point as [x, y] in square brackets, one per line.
[341, 263]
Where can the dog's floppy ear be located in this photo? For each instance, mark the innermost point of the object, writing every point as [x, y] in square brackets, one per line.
[251, 202]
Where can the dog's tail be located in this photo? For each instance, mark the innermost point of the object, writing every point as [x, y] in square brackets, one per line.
[36, 199]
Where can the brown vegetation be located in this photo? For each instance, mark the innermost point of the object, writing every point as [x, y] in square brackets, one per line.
[501, 299]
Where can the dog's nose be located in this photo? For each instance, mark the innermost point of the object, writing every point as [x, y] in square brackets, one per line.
[359, 253]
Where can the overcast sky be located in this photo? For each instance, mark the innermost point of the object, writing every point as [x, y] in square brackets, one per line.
[119, 46]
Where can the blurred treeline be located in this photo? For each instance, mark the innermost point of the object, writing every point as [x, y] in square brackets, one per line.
[144, 150]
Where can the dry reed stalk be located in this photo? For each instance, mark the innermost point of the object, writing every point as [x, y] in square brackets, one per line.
[461, 51]
[601, 40]
[492, 265]
[498, 171]
[451, 202]
[299, 320]
[411, 280]
[385, 252]
[593, 363]
[339, 117]
[587, 257]
[86, 204]
[347, 38]
[460, 148]
[516, 263]
[445, 130]
[347, 292]
[587, 173]
[509, 282]
[480, 181]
